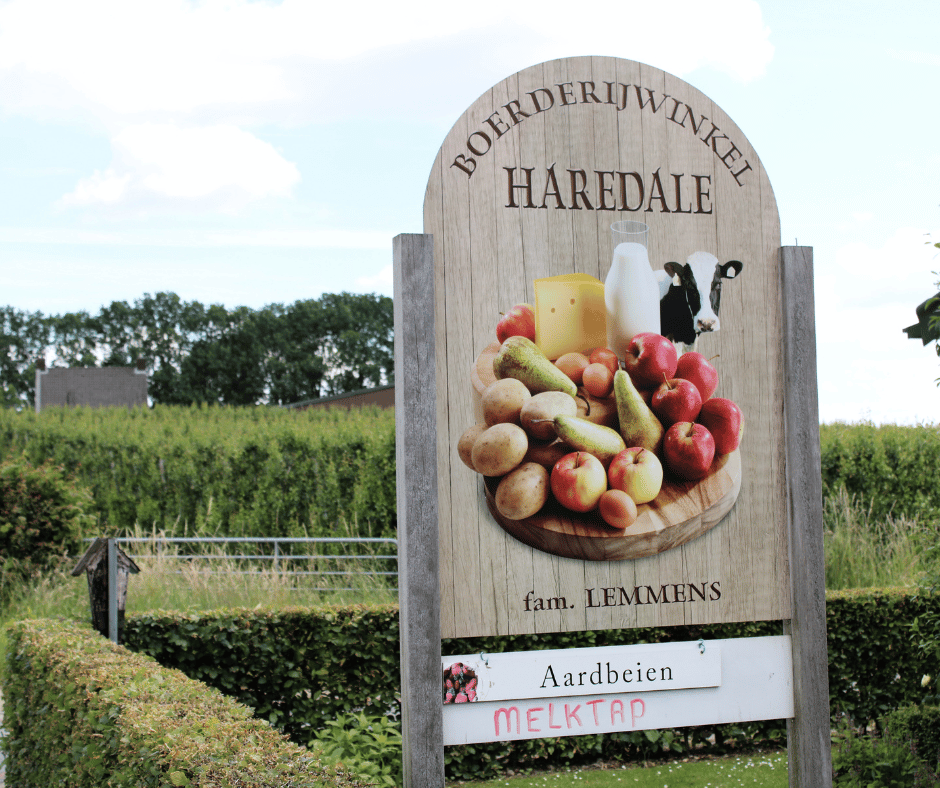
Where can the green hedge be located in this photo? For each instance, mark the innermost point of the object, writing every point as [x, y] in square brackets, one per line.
[255, 471]
[890, 468]
[300, 668]
[80, 711]
[263, 471]
[297, 668]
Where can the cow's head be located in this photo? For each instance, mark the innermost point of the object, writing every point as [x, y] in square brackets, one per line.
[700, 280]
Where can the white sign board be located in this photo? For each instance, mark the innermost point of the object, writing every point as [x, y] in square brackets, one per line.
[555, 673]
[734, 680]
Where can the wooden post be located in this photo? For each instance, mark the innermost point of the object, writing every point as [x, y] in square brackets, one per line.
[808, 733]
[416, 485]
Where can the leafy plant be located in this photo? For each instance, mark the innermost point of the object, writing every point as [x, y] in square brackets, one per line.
[918, 724]
[877, 762]
[42, 517]
[368, 746]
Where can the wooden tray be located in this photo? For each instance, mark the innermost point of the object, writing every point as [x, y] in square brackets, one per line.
[681, 512]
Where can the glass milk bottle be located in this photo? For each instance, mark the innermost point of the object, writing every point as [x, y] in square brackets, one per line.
[631, 291]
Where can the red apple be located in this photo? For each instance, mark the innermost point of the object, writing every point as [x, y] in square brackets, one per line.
[696, 368]
[638, 472]
[688, 450]
[578, 481]
[676, 400]
[650, 359]
[618, 509]
[724, 420]
[606, 356]
[517, 322]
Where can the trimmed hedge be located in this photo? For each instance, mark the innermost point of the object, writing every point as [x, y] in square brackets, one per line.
[300, 668]
[890, 468]
[258, 471]
[81, 711]
[919, 727]
[297, 668]
[264, 471]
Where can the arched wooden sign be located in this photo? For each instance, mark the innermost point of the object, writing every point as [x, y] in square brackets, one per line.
[521, 200]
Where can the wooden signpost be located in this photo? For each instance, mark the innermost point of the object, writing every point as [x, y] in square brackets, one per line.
[519, 209]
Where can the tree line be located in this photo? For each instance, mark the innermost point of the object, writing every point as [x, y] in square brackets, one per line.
[278, 354]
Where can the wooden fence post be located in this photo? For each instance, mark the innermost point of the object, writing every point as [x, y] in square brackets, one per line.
[416, 485]
[809, 732]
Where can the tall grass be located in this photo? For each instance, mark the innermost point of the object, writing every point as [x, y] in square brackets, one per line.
[866, 551]
[213, 579]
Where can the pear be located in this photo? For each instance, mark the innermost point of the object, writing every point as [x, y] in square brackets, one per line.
[583, 435]
[638, 424]
[521, 358]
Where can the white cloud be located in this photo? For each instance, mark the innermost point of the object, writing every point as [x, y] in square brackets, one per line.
[221, 166]
[184, 237]
[246, 61]
[175, 83]
[382, 282]
[868, 368]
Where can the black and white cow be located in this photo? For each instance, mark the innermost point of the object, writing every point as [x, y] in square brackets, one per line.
[690, 295]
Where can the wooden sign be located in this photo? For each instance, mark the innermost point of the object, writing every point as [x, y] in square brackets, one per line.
[619, 689]
[521, 202]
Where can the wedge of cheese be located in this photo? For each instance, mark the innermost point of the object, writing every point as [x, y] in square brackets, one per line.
[570, 315]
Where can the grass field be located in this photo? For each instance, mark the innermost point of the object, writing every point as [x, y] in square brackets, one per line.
[756, 770]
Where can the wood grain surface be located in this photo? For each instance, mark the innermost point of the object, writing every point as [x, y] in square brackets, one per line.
[526, 186]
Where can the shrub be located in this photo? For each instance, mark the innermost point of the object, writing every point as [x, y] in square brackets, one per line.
[876, 762]
[367, 746]
[890, 468]
[919, 726]
[42, 516]
[256, 471]
[83, 712]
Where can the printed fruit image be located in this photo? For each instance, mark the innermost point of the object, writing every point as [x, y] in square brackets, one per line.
[725, 422]
[650, 359]
[588, 457]
[688, 449]
[637, 472]
[676, 400]
[517, 322]
[578, 481]
[696, 369]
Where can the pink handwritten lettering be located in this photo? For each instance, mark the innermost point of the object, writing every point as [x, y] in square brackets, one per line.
[530, 718]
[572, 715]
[551, 709]
[616, 707]
[593, 705]
[636, 703]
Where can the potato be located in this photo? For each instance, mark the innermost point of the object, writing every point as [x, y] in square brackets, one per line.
[538, 413]
[465, 444]
[503, 400]
[499, 449]
[523, 492]
[547, 454]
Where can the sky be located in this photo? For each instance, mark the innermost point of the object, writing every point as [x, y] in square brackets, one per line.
[248, 153]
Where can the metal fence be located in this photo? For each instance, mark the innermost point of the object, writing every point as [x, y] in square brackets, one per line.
[280, 556]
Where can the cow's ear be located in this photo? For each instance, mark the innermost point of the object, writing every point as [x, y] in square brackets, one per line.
[731, 269]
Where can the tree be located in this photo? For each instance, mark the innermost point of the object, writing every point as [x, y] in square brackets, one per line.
[359, 349]
[24, 337]
[278, 354]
